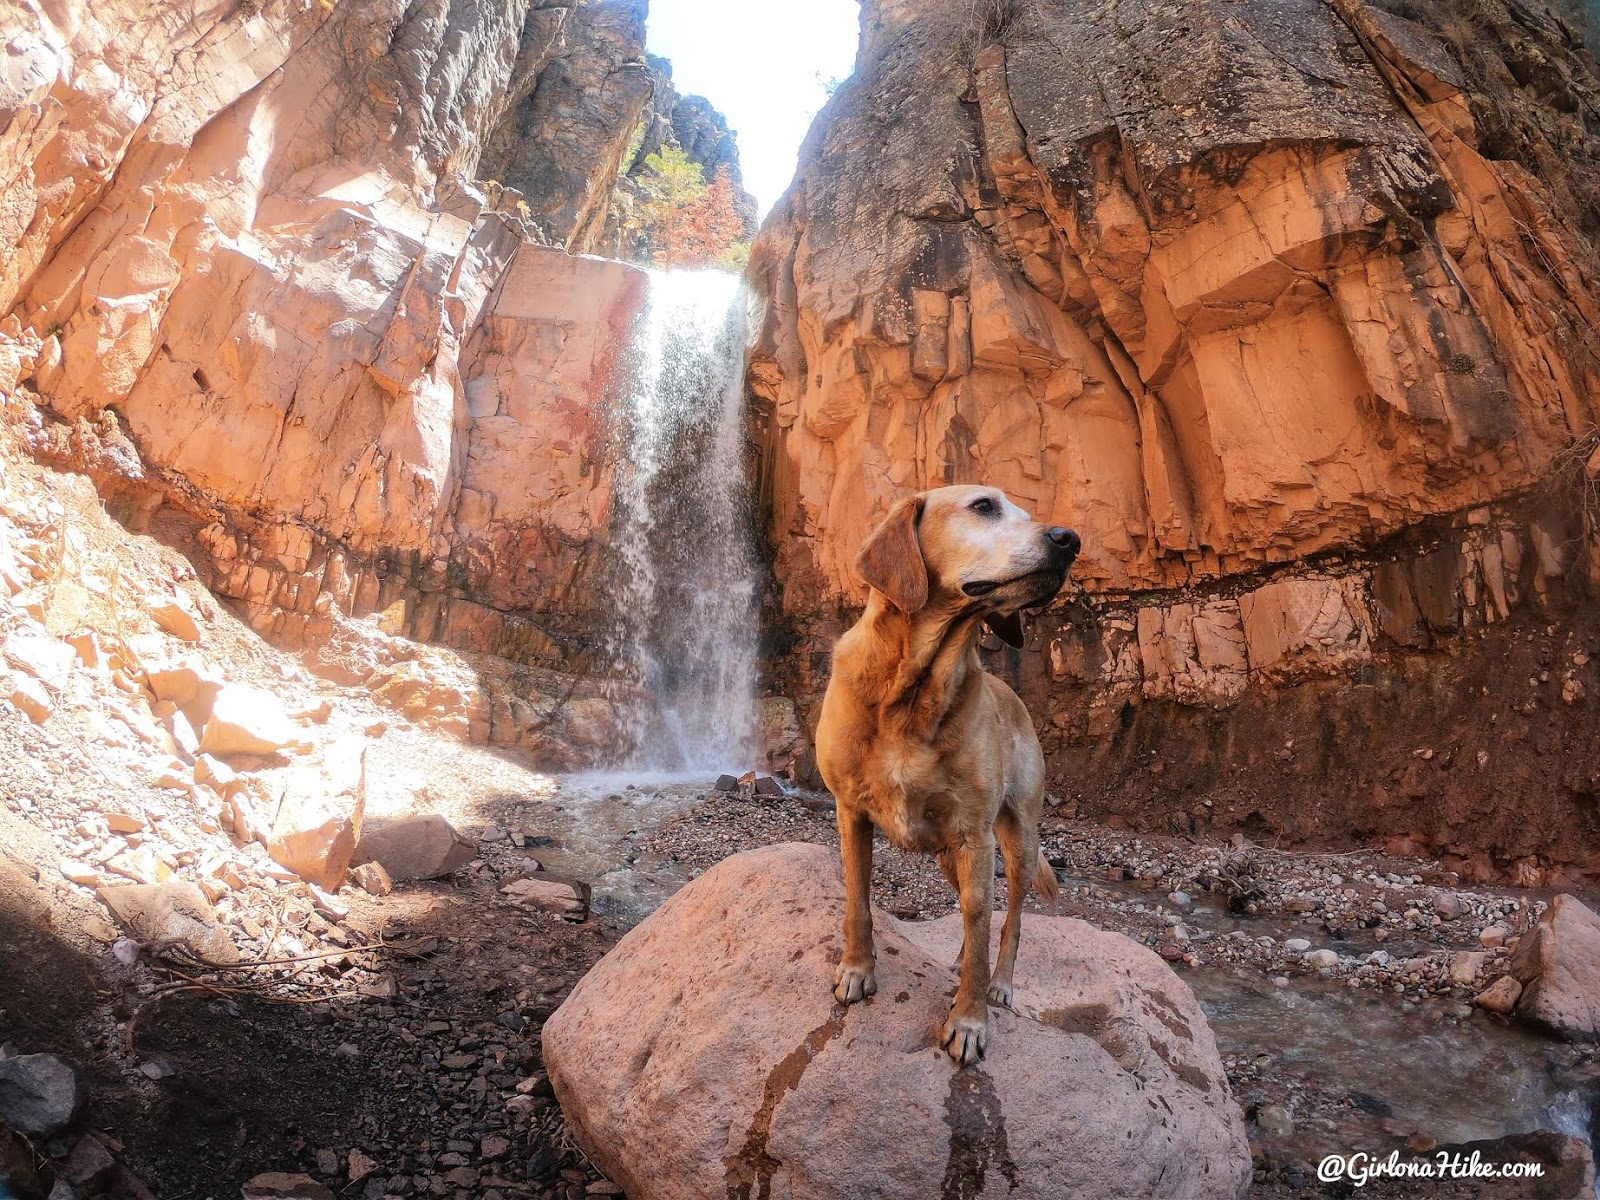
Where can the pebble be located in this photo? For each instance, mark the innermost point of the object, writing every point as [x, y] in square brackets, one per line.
[1274, 1121]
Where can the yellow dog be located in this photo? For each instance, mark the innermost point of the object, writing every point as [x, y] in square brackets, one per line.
[917, 739]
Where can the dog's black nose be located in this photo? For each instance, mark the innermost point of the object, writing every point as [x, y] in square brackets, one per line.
[1064, 539]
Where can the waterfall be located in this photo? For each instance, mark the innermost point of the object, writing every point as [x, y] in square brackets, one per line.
[686, 592]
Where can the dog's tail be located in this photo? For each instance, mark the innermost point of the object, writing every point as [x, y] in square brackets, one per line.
[1044, 882]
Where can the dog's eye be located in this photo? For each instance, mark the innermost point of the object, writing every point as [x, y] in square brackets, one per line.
[984, 505]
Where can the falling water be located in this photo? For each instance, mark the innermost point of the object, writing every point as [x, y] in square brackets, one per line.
[686, 596]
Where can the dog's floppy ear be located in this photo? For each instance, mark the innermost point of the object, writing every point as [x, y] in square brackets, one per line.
[1007, 627]
[891, 561]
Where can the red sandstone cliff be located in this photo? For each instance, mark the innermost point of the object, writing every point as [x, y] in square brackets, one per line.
[249, 282]
[1289, 308]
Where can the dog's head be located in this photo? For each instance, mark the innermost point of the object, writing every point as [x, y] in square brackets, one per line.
[971, 549]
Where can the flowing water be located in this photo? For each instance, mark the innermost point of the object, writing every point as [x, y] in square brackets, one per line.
[686, 592]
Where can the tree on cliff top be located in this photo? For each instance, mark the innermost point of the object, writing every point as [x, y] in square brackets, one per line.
[683, 221]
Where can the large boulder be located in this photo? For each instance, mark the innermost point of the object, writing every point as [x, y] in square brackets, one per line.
[171, 914]
[416, 846]
[247, 720]
[705, 1055]
[1558, 965]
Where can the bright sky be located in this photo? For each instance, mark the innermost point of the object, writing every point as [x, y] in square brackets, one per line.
[761, 63]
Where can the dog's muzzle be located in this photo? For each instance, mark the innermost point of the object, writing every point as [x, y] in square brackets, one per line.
[1062, 546]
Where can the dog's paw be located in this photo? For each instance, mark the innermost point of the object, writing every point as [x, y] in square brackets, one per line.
[1000, 993]
[965, 1038]
[853, 983]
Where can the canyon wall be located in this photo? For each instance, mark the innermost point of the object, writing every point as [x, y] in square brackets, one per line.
[584, 108]
[1288, 308]
[263, 254]
[251, 287]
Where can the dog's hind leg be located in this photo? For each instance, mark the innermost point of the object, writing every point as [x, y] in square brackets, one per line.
[1020, 849]
[856, 977]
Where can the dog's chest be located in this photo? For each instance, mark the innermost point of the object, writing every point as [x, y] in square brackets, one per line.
[914, 812]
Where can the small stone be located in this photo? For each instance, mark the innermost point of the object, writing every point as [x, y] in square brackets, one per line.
[30, 698]
[1493, 937]
[553, 893]
[171, 615]
[140, 865]
[372, 879]
[80, 873]
[329, 906]
[494, 1146]
[119, 822]
[39, 1093]
[281, 1185]
[214, 773]
[317, 712]
[100, 931]
[1297, 945]
[1323, 959]
[726, 783]
[36, 653]
[89, 1164]
[768, 788]
[1274, 1121]
[183, 734]
[1179, 899]
[1464, 967]
[359, 1166]
[1447, 905]
[1501, 996]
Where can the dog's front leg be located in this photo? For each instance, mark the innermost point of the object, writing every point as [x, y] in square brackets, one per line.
[966, 1033]
[856, 979]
